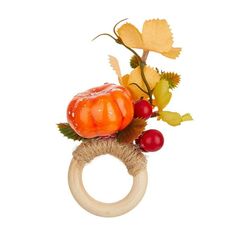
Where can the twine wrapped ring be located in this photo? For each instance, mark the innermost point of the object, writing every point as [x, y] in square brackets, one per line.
[129, 154]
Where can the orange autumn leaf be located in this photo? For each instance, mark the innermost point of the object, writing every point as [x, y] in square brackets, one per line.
[156, 36]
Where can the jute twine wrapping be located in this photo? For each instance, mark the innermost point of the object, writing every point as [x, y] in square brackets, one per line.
[129, 154]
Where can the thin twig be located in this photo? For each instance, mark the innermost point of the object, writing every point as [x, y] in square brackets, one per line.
[145, 82]
[114, 28]
[139, 88]
[103, 35]
[142, 61]
[141, 64]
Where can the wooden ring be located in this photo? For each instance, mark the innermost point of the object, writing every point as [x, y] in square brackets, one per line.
[100, 208]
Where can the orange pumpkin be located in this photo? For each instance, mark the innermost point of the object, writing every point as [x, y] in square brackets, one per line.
[100, 111]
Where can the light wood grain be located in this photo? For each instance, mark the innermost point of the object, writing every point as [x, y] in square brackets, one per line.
[100, 208]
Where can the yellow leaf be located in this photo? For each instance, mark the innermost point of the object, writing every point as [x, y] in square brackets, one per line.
[174, 118]
[157, 36]
[135, 77]
[115, 65]
[173, 53]
[162, 94]
[187, 117]
[130, 36]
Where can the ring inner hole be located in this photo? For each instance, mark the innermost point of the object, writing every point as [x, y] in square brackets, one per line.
[106, 179]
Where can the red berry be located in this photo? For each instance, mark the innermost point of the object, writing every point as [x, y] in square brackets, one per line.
[151, 140]
[142, 109]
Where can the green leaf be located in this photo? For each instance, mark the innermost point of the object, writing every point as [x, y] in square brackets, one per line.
[68, 132]
[162, 94]
[132, 131]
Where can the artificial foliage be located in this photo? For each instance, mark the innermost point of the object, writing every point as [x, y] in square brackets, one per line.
[142, 81]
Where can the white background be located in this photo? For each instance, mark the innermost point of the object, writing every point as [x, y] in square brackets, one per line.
[46, 57]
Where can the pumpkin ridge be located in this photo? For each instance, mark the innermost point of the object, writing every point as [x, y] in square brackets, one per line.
[91, 118]
[94, 124]
[122, 117]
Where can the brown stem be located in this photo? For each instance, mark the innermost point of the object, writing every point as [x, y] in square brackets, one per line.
[145, 56]
[114, 28]
[142, 65]
[145, 81]
[155, 114]
[104, 34]
[139, 88]
[142, 61]
[130, 49]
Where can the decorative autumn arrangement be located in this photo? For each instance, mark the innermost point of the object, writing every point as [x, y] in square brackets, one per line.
[111, 119]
